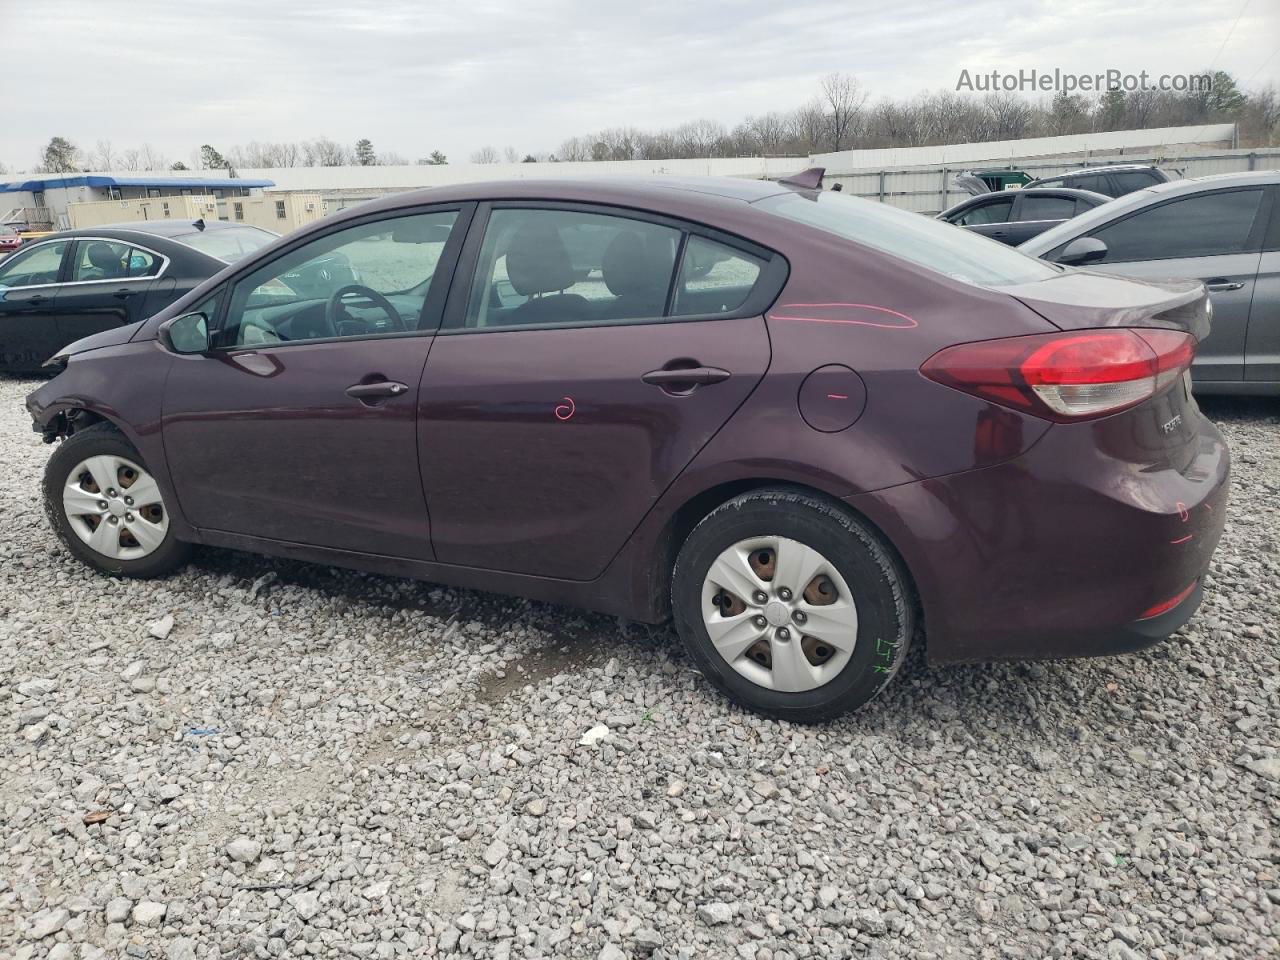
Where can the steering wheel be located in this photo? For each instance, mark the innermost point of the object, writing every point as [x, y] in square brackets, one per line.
[335, 304]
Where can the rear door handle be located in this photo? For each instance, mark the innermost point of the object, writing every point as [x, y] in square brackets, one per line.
[124, 293]
[372, 392]
[693, 376]
[1222, 283]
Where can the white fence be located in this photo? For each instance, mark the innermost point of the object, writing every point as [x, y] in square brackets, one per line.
[931, 189]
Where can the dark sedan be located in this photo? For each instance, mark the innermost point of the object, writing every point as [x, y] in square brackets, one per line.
[1013, 216]
[804, 424]
[71, 284]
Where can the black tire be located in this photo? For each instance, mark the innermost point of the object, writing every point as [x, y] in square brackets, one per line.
[103, 438]
[886, 620]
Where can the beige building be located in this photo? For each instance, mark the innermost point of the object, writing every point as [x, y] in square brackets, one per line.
[280, 213]
[99, 212]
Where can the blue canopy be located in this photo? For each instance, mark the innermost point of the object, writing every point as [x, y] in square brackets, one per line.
[94, 180]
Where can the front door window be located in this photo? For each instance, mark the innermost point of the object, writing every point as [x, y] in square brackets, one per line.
[34, 267]
[368, 280]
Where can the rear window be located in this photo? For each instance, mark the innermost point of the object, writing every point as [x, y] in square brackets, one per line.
[229, 244]
[1048, 208]
[921, 240]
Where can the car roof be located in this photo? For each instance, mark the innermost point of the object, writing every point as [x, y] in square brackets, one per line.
[161, 228]
[1104, 168]
[609, 190]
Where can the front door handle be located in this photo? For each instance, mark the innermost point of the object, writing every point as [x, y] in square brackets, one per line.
[1222, 283]
[373, 392]
[685, 376]
[124, 293]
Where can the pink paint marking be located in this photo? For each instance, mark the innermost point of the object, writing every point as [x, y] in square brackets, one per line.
[813, 313]
[565, 409]
[1182, 539]
[837, 396]
[1182, 511]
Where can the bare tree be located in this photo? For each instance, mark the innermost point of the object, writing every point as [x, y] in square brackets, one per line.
[485, 155]
[103, 157]
[323, 152]
[131, 159]
[575, 148]
[843, 98]
[1010, 115]
[808, 127]
[152, 159]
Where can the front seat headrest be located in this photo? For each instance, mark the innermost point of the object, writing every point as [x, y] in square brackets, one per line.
[537, 261]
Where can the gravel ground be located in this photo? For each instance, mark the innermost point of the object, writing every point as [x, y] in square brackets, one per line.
[258, 758]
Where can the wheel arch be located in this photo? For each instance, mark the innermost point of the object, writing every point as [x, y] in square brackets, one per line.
[67, 418]
[694, 508]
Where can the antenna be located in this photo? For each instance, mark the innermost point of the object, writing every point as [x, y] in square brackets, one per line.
[810, 179]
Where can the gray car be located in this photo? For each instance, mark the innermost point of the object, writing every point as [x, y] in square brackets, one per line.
[1223, 230]
[1014, 216]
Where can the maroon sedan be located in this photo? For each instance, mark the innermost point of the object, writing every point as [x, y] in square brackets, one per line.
[809, 427]
[10, 240]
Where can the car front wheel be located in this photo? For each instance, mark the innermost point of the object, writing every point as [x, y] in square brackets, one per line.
[107, 508]
[791, 605]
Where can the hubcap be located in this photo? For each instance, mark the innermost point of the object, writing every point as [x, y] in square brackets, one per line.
[779, 613]
[114, 506]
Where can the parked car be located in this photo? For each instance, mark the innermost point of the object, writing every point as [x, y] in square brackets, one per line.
[9, 240]
[854, 418]
[77, 282]
[1115, 180]
[1223, 230]
[1013, 216]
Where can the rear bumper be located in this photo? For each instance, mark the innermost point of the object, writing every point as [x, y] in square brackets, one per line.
[1060, 552]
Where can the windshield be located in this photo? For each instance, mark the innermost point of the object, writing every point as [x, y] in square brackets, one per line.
[918, 239]
[228, 244]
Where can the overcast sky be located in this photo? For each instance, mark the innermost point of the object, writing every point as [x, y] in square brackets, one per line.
[415, 76]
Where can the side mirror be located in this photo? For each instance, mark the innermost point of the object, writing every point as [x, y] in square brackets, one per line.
[186, 334]
[1082, 250]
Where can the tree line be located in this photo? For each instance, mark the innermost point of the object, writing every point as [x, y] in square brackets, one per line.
[61, 155]
[839, 117]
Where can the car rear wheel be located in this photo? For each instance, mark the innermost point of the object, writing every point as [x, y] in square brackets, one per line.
[791, 605]
[107, 508]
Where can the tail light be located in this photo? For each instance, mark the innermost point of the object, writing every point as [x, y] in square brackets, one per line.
[1164, 606]
[1066, 376]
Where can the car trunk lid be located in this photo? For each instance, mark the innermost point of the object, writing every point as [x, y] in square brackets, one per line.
[1079, 300]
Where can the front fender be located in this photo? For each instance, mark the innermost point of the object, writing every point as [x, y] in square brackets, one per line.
[121, 384]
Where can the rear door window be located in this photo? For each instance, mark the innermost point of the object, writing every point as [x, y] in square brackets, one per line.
[714, 278]
[540, 266]
[1206, 225]
[112, 260]
[1047, 208]
[995, 212]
